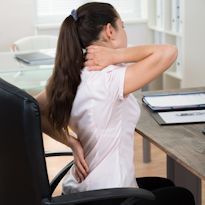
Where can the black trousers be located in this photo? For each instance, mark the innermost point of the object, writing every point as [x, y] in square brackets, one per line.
[165, 191]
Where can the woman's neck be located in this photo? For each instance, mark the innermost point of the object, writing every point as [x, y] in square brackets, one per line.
[103, 43]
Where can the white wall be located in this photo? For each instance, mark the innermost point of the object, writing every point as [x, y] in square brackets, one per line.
[137, 33]
[194, 71]
[16, 21]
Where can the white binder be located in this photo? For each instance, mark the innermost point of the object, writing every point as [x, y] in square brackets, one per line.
[179, 57]
[174, 15]
[159, 12]
[178, 15]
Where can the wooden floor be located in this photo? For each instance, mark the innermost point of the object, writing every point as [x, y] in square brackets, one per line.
[157, 166]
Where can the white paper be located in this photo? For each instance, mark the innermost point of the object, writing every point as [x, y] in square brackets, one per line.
[176, 100]
[183, 116]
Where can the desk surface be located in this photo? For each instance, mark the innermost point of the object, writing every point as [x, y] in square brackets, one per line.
[183, 143]
[8, 63]
[31, 78]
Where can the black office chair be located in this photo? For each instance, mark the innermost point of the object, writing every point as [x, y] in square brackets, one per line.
[23, 173]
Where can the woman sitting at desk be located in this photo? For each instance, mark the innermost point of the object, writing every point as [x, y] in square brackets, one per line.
[98, 104]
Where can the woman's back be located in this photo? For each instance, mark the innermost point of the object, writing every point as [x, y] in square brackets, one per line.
[95, 108]
[104, 122]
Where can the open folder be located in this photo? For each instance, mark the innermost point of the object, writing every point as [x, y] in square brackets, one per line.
[177, 108]
[179, 117]
[175, 101]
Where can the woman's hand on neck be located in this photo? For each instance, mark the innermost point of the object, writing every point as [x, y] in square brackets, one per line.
[99, 57]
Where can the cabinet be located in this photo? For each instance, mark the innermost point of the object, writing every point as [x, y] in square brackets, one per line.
[182, 23]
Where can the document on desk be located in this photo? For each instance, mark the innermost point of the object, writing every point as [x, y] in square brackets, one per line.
[188, 116]
[41, 57]
[176, 101]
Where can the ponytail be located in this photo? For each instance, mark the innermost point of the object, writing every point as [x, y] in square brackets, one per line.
[88, 21]
[63, 84]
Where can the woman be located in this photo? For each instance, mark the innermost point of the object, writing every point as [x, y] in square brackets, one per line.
[98, 105]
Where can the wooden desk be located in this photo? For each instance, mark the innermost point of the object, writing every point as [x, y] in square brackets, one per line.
[183, 144]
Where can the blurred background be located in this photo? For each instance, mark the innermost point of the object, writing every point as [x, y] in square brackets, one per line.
[33, 25]
[176, 22]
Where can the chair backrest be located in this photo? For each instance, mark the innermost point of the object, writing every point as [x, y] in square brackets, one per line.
[35, 43]
[23, 173]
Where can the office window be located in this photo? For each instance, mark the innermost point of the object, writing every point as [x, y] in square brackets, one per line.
[54, 11]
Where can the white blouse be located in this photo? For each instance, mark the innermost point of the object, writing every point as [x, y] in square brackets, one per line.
[104, 122]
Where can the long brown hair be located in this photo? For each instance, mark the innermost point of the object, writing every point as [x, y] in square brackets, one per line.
[77, 32]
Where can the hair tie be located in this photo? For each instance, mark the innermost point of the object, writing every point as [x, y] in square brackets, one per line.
[74, 14]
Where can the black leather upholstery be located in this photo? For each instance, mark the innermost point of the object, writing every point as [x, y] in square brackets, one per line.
[23, 174]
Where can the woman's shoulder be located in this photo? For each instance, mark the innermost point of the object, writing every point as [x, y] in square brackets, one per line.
[102, 75]
[107, 69]
[114, 68]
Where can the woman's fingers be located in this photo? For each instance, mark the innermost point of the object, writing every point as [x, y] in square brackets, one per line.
[84, 164]
[81, 172]
[91, 60]
[81, 169]
[92, 65]
[89, 63]
[80, 177]
[79, 159]
[77, 175]
[91, 49]
[89, 56]
[94, 68]
[98, 57]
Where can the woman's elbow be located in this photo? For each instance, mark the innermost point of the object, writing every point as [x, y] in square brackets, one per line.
[171, 52]
[168, 55]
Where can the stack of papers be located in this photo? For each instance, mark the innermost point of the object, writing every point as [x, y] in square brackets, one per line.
[177, 108]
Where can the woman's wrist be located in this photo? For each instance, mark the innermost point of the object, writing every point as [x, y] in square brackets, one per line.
[68, 140]
[118, 56]
[71, 142]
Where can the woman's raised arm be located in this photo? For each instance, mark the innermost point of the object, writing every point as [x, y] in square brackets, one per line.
[147, 62]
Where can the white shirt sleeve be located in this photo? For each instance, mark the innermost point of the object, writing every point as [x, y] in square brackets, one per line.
[115, 80]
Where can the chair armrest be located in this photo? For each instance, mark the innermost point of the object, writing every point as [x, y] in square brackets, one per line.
[58, 154]
[100, 195]
[55, 181]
